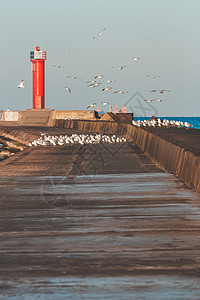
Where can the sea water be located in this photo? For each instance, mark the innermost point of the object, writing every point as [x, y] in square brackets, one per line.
[195, 121]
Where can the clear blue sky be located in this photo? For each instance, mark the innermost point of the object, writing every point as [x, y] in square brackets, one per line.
[164, 34]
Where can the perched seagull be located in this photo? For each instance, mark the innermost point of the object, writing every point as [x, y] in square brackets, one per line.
[68, 89]
[160, 91]
[107, 89]
[135, 58]
[98, 77]
[120, 92]
[21, 85]
[99, 34]
[119, 68]
[58, 66]
[91, 105]
[153, 76]
[105, 103]
[73, 77]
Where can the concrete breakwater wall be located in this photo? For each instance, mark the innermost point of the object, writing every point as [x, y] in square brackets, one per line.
[168, 156]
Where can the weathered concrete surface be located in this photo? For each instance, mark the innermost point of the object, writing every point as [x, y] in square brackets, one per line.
[124, 229]
[171, 155]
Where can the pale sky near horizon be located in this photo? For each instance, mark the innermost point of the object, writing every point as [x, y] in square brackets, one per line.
[164, 34]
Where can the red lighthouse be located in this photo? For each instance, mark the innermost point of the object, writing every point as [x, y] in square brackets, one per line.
[38, 58]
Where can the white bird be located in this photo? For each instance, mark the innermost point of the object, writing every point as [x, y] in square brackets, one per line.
[105, 103]
[99, 33]
[152, 76]
[21, 85]
[120, 92]
[107, 89]
[98, 77]
[150, 100]
[58, 66]
[68, 50]
[160, 100]
[68, 89]
[73, 77]
[91, 105]
[119, 68]
[136, 58]
[109, 81]
[160, 91]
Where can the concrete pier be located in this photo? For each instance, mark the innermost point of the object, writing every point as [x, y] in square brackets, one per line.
[97, 222]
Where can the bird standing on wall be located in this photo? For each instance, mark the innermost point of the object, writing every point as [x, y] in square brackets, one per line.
[21, 85]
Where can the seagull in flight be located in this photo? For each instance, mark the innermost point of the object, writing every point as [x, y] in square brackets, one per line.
[160, 91]
[68, 50]
[98, 77]
[21, 85]
[150, 100]
[136, 58]
[99, 33]
[105, 103]
[91, 105]
[119, 68]
[58, 66]
[68, 89]
[160, 100]
[73, 77]
[109, 81]
[107, 89]
[120, 92]
[153, 76]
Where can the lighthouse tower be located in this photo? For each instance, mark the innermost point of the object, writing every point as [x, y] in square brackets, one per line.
[38, 58]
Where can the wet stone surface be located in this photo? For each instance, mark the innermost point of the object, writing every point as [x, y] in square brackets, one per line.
[96, 223]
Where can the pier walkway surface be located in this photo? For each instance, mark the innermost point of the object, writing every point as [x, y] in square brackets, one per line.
[96, 222]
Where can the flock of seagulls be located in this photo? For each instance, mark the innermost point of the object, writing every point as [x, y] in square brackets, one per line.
[161, 123]
[82, 139]
[97, 80]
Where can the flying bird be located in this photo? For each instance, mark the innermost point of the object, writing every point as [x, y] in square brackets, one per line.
[160, 100]
[136, 58]
[73, 77]
[120, 92]
[160, 91]
[107, 89]
[21, 85]
[98, 77]
[99, 33]
[91, 105]
[68, 89]
[68, 50]
[105, 103]
[150, 100]
[58, 66]
[153, 76]
[119, 68]
[109, 81]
